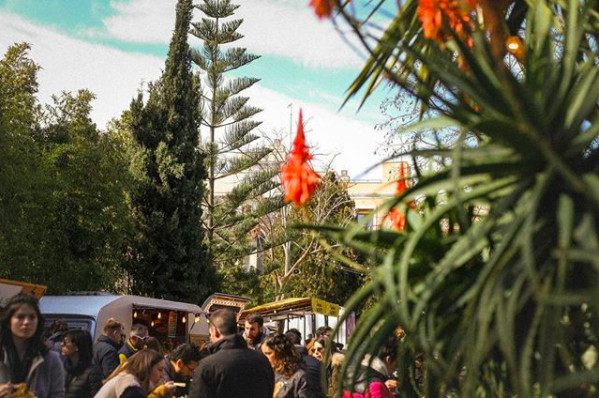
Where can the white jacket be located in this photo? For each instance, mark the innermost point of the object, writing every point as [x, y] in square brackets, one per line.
[115, 387]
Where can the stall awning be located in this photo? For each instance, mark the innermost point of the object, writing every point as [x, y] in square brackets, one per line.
[293, 307]
[166, 305]
[9, 288]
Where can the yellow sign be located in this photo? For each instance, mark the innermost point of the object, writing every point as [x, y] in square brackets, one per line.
[324, 307]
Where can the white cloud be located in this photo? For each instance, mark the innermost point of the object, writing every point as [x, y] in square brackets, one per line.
[350, 142]
[271, 27]
[142, 21]
[276, 28]
[69, 65]
[115, 76]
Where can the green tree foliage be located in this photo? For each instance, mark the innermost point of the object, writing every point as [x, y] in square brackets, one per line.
[63, 216]
[22, 207]
[321, 274]
[233, 155]
[88, 216]
[306, 265]
[496, 281]
[18, 82]
[167, 257]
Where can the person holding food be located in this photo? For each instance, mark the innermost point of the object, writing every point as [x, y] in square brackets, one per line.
[27, 366]
[141, 375]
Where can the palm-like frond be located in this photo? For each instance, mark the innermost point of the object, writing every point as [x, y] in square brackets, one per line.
[509, 300]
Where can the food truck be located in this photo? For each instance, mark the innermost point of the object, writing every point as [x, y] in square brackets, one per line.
[305, 314]
[168, 321]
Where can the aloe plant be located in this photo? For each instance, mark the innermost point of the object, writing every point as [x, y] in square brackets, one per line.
[496, 279]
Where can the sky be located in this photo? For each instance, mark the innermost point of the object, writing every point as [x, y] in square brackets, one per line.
[114, 47]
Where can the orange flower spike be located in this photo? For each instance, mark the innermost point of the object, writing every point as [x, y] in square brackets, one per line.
[298, 178]
[431, 18]
[397, 217]
[455, 12]
[322, 8]
[401, 183]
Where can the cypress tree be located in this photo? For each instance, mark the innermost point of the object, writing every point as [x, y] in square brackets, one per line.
[168, 259]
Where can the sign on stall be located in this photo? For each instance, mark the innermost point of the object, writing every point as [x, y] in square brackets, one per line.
[324, 307]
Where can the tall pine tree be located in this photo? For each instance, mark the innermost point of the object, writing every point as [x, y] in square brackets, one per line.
[234, 154]
[168, 259]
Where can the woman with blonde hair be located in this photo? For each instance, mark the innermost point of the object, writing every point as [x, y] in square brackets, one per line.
[291, 380]
[137, 377]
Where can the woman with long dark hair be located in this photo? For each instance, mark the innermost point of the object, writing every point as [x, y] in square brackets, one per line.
[137, 377]
[24, 358]
[290, 380]
[77, 347]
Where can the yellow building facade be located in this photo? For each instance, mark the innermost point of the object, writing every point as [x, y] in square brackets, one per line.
[369, 195]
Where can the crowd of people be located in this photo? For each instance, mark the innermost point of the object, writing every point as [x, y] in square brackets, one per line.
[254, 364]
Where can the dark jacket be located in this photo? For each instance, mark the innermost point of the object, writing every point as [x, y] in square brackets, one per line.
[295, 386]
[126, 351]
[105, 360]
[233, 371]
[77, 381]
[313, 369]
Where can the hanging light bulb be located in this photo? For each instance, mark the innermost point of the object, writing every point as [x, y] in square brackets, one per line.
[515, 46]
[184, 319]
[135, 314]
[152, 324]
[160, 315]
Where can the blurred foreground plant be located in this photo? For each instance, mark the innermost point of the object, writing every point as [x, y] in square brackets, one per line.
[495, 279]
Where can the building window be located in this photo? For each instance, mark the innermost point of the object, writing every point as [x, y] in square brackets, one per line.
[365, 214]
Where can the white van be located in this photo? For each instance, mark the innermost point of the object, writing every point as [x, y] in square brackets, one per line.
[167, 320]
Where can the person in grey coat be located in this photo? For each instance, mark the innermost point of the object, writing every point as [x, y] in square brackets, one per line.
[24, 358]
[291, 381]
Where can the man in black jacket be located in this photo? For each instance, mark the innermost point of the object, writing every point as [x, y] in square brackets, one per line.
[106, 357]
[232, 370]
